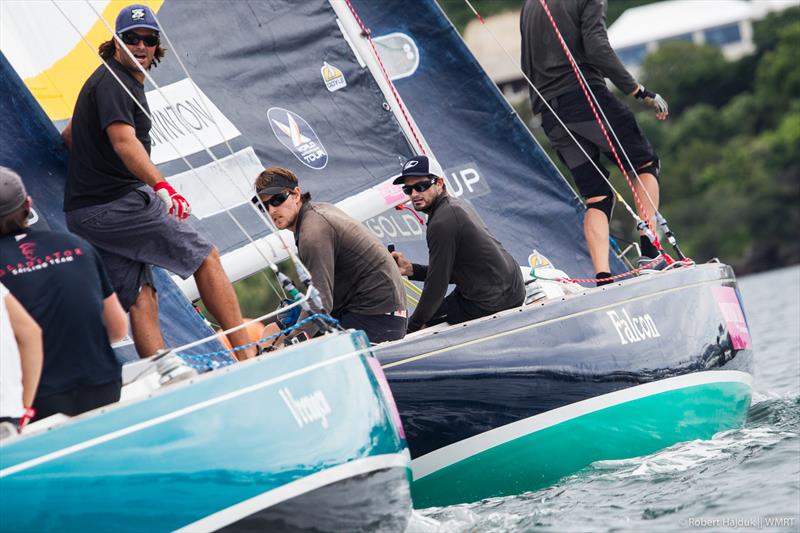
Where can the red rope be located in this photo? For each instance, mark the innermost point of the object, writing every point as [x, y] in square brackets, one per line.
[368, 34]
[656, 242]
[630, 272]
[402, 206]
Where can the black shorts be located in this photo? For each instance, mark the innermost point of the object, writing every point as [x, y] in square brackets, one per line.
[455, 310]
[574, 111]
[77, 401]
[379, 328]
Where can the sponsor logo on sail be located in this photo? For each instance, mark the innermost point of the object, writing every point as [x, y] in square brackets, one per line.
[307, 409]
[297, 135]
[333, 77]
[633, 329]
[185, 122]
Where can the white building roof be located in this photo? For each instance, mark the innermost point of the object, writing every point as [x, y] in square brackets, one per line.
[489, 54]
[662, 20]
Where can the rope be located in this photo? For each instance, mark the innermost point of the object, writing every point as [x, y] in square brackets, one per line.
[201, 361]
[404, 205]
[673, 264]
[366, 32]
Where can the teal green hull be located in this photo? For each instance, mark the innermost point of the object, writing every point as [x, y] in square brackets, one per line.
[539, 459]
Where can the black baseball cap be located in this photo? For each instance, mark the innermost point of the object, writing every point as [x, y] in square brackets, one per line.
[420, 165]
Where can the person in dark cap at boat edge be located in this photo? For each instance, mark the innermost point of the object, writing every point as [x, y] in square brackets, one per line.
[117, 199]
[582, 24]
[358, 281]
[461, 251]
[60, 280]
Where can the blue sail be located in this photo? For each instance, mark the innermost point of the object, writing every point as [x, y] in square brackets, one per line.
[520, 194]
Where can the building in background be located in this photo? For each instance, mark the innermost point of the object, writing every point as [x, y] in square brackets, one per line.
[727, 24]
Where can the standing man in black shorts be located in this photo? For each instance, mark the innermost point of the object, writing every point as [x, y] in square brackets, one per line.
[461, 251]
[118, 200]
[582, 24]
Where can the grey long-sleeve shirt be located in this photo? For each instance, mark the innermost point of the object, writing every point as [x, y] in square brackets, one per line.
[349, 266]
[463, 252]
[582, 23]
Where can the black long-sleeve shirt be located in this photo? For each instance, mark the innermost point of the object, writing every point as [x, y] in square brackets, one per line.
[463, 252]
[582, 24]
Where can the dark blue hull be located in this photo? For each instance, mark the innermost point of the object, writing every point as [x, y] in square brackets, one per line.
[470, 379]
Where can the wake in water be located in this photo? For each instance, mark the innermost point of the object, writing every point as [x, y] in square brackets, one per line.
[727, 478]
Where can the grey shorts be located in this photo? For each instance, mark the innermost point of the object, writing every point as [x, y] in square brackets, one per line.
[134, 232]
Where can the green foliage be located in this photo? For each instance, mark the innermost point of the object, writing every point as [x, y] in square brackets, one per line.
[685, 73]
[730, 150]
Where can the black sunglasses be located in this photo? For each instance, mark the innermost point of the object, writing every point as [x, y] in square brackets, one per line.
[133, 38]
[422, 186]
[275, 200]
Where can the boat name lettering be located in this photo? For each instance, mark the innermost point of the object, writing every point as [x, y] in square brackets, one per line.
[307, 409]
[633, 329]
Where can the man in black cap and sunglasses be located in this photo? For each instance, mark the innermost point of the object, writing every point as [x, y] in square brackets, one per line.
[117, 199]
[461, 251]
[358, 281]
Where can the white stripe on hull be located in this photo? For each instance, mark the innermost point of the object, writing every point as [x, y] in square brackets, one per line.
[291, 490]
[25, 465]
[459, 451]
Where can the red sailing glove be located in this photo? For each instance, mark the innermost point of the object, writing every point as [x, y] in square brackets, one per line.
[27, 416]
[175, 202]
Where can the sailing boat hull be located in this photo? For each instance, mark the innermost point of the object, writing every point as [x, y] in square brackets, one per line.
[514, 402]
[302, 439]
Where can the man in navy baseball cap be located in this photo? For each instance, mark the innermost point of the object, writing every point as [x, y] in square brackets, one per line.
[136, 16]
[420, 165]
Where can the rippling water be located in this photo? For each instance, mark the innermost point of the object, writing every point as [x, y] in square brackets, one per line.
[741, 480]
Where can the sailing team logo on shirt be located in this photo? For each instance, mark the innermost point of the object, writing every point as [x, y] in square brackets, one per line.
[298, 136]
[34, 263]
[333, 77]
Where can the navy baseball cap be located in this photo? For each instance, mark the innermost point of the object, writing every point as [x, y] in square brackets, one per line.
[136, 16]
[420, 165]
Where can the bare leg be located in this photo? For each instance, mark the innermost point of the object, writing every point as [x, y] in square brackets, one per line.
[595, 229]
[220, 299]
[649, 183]
[276, 343]
[144, 323]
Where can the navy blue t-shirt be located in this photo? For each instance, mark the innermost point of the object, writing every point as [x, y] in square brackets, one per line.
[60, 280]
[96, 174]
